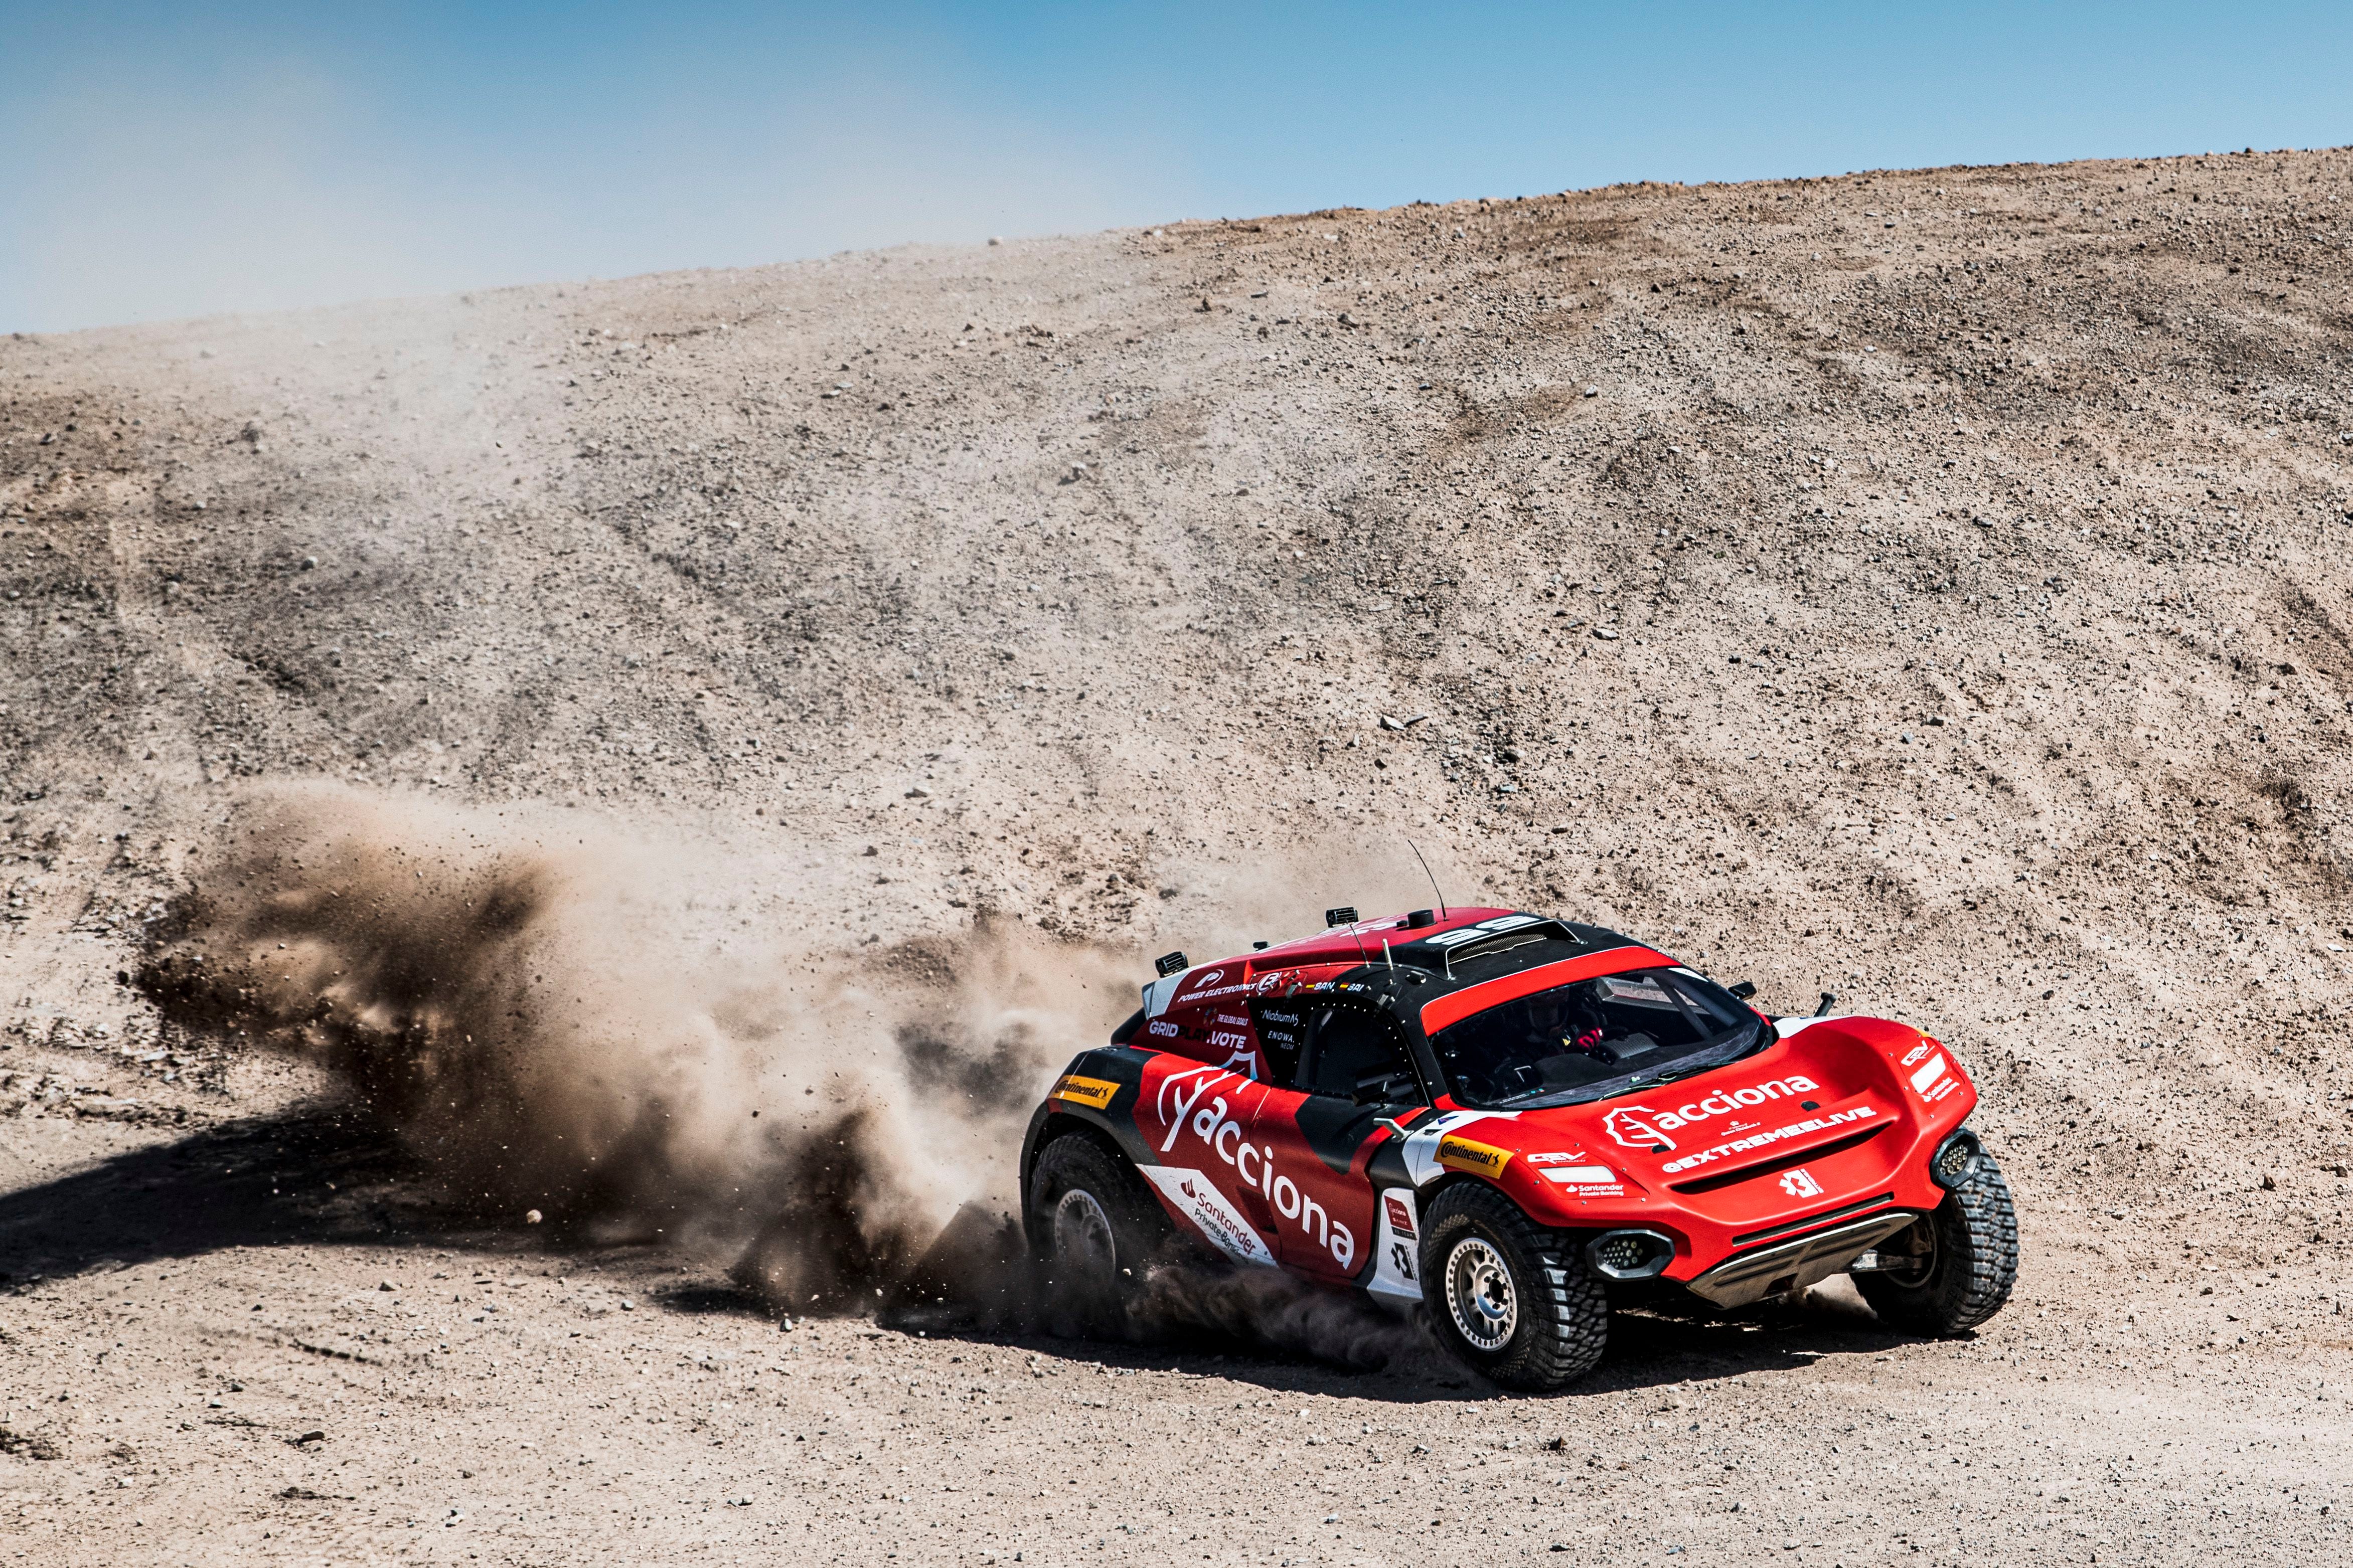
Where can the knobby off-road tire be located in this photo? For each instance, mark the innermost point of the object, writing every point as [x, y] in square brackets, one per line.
[1509, 1298]
[1966, 1274]
[1094, 1226]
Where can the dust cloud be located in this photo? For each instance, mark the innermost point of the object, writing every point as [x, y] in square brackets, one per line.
[620, 1034]
[565, 1020]
[1272, 1311]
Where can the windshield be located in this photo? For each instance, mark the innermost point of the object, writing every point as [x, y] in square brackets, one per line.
[1594, 1038]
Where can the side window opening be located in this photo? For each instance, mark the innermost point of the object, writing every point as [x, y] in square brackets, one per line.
[1281, 1024]
[1359, 1055]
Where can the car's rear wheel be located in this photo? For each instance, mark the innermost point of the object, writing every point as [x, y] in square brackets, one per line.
[1507, 1296]
[1094, 1225]
[1952, 1270]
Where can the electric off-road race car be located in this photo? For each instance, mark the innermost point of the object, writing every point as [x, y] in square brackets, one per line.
[1515, 1121]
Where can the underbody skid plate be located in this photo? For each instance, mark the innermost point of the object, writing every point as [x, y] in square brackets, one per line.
[1795, 1264]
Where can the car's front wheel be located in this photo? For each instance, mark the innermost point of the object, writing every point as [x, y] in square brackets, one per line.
[1506, 1295]
[1952, 1270]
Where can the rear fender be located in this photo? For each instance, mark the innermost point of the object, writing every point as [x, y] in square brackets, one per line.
[1096, 1091]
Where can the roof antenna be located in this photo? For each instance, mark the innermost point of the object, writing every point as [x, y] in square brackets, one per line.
[1387, 956]
[1345, 915]
[1434, 878]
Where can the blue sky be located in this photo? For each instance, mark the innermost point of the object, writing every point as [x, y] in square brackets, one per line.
[176, 159]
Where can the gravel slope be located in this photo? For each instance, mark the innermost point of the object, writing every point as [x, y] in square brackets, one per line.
[1921, 587]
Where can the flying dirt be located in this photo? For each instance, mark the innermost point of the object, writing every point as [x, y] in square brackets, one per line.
[820, 691]
[550, 1017]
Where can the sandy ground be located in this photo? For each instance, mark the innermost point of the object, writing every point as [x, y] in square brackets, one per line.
[1925, 586]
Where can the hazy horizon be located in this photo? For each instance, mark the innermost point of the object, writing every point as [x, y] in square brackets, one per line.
[174, 163]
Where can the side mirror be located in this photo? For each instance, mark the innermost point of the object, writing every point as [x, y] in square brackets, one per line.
[1745, 990]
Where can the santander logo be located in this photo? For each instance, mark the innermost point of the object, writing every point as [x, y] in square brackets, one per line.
[1640, 1127]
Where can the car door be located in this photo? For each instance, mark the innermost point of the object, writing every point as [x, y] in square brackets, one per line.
[1196, 1119]
[1318, 1131]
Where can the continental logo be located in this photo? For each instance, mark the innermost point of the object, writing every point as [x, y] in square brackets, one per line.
[1479, 1159]
[1090, 1091]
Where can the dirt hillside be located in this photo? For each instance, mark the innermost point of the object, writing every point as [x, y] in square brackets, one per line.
[1926, 587]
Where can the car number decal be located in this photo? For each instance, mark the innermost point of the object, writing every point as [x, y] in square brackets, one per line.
[1397, 1264]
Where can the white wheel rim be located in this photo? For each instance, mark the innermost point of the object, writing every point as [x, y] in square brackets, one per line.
[1082, 1236]
[1479, 1289]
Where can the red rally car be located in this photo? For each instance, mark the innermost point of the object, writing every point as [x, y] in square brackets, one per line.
[1513, 1122]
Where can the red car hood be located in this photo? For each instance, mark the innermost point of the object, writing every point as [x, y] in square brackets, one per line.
[1837, 1116]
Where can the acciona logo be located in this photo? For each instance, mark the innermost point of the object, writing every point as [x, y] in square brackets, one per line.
[1183, 1094]
[1640, 1127]
[1636, 1127]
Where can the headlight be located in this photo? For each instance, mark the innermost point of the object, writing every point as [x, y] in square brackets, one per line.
[1956, 1159]
[1631, 1254]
